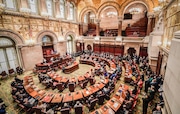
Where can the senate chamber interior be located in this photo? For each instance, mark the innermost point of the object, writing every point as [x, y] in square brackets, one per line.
[89, 56]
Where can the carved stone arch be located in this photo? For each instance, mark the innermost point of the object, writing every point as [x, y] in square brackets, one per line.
[85, 10]
[127, 3]
[70, 33]
[41, 34]
[17, 38]
[110, 3]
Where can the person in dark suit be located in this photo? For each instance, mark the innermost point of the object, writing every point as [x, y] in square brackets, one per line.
[145, 104]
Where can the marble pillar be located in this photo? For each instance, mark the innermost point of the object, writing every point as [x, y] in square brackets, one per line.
[149, 26]
[97, 26]
[172, 77]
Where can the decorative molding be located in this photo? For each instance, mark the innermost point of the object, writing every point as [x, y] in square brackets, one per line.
[13, 35]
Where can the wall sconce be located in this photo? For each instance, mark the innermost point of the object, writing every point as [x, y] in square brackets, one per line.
[159, 43]
[78, 44]
[169, 43]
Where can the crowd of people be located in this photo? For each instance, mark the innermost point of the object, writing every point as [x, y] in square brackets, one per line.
[142, 73]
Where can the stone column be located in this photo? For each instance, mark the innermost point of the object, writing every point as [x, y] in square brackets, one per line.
[97, 26]
[88, 15]
[149, 26]
[119, 26]
[42, 8]
[80, 29]
[171, 83]
[24, 4]
[57, 8]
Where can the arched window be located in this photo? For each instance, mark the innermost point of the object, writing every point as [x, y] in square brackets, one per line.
[49, 7]
[71, 12]
[69, 44]
[33, 6]
[47, 45]
[62, 8]
[46, 40]
[8, 55]
[10, 4]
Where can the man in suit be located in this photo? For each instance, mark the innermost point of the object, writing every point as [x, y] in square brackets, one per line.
[145, 104]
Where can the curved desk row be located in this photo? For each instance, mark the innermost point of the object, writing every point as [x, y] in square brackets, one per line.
[50, 97]
[46, 66]
[71, 68]
[114, 103]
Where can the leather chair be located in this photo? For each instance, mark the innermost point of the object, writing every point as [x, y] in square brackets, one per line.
[37, 110]
[78, 110]
[4, 74]
[71, 87]
[60, 86]
[65, 111]
[101, 99]
[92, 104]
[92, 81]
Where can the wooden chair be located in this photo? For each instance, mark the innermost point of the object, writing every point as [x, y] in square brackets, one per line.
[4, 74]
[12, 72]
[60, 86]
[71, 87]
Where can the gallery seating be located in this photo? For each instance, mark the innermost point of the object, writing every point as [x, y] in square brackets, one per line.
[12, 72]
[4, 74]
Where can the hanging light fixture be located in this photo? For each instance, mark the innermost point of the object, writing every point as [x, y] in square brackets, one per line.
[135, 11]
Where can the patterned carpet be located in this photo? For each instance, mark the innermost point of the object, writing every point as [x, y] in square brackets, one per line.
[12, 108]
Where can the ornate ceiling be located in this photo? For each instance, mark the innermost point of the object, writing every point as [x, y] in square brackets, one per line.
[120, 5]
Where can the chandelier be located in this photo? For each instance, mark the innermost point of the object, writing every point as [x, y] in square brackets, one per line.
[135, 11]
[111, 14]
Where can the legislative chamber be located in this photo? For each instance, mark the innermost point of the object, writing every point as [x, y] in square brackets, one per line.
[89, 56]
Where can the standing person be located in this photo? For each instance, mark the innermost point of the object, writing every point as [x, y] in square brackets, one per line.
[145, 104]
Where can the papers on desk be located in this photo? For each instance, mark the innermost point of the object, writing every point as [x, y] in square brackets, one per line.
[110, 111]
[115, 105]
[87, 92]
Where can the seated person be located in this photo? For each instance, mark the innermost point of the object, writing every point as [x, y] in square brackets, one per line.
[44, 60]
[66, 105]
[52, 59]
[78, 104]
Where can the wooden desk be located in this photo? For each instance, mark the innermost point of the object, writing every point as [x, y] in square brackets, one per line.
[81, 78]
[64, 80]
[57, 98]
[67, 97]
[86, 92]
[48, 57]
[114, 104]
[48, 97]
[77, 95]
[71, 68]
[105, 109]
